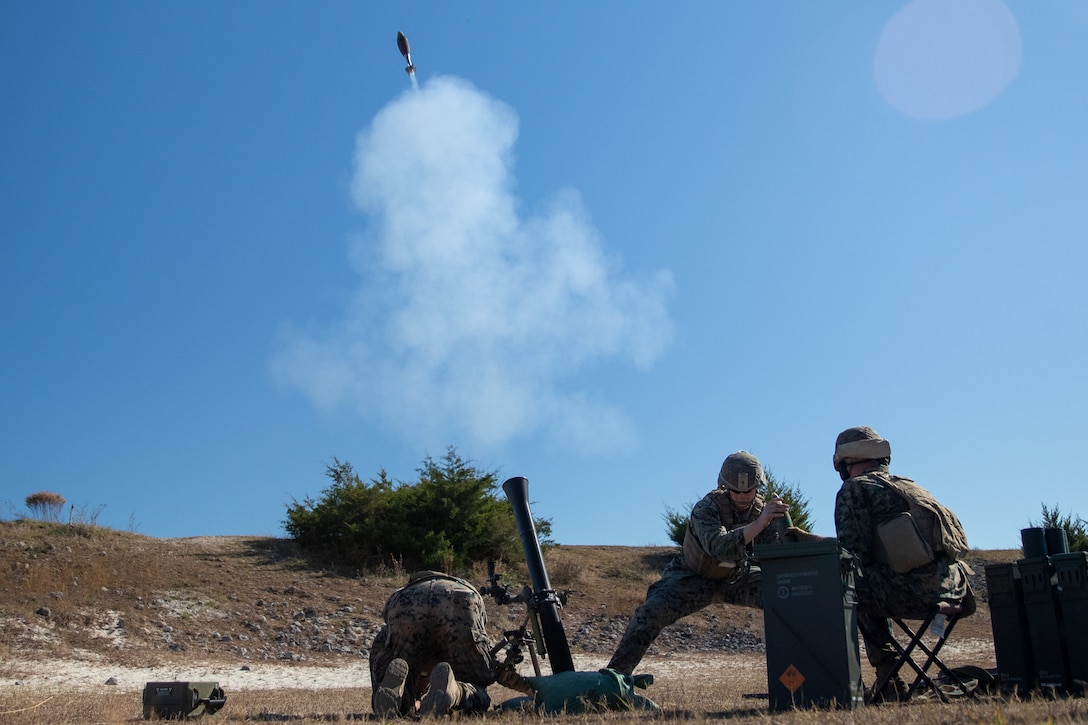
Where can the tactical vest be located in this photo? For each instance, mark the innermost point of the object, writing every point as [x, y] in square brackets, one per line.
[914, 537]
[696, 557]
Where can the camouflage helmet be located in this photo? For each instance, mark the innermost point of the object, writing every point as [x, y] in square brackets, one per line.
[860, 443]
[741, 472]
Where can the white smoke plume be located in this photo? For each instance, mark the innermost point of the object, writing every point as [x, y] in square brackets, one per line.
[471, 321]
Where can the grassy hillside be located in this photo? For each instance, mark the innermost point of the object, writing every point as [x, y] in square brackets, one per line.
[84, 592]
[71, 588]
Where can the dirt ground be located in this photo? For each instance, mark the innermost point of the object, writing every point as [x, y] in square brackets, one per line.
[96, 671]
[101, 608]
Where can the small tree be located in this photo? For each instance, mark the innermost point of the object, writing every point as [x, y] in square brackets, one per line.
[1076, 529]
[45, 505]
[448, 519]
[676, 522]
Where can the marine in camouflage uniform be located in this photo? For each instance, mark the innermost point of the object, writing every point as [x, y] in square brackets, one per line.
[864, 501]
[435, 624]
[715, 565]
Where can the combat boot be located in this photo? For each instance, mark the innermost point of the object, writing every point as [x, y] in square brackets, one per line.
[443, 694]
[390, 694]
[894, 690]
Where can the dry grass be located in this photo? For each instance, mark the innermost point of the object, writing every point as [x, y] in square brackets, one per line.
[683, 702]
[132, 600]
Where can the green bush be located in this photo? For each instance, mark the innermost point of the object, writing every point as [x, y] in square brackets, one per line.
[448, 519]
[676, 523]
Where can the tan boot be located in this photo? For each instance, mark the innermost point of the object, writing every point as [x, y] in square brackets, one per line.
[442, 695]
[387, 699]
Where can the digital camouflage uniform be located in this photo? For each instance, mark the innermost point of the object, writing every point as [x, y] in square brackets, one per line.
[681, 591]
[436, 618]
[862, 503]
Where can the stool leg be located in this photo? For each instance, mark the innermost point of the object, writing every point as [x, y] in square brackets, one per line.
[917, 643]
[904, 655]
[932, 659]
[921, 678]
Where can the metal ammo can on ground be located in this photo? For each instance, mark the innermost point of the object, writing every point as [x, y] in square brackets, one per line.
[1009, 620]
[182, 699]
[1044, 621]
[810, 626]
[1072, 573]
[1037, 608]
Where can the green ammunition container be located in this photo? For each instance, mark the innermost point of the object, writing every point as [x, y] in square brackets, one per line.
[182, 699]
[1044, 620]
[810, 626]
[1072, 574]
[1009, 621]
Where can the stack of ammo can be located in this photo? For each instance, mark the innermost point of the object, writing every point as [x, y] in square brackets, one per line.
[1039, 612]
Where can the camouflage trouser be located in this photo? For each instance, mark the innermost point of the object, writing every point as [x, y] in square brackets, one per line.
[434, 621]
[882, 594]
[678, 593]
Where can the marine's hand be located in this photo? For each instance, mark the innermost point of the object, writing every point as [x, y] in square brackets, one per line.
[776, 508]
[796, 533]
[507, 676]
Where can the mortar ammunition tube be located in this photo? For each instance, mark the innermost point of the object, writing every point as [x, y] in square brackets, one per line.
[544, 597]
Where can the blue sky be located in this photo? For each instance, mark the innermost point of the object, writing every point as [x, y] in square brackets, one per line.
[598, 245]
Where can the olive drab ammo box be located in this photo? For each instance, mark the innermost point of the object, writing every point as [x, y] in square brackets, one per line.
[1009, 620]
[1038, 607]
[1072, 574]
[182, 699]
[810, 626]
[1039, 581]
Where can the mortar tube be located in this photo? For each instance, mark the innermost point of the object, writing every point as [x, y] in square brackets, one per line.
[546, 600]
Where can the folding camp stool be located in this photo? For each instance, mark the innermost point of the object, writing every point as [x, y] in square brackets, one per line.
[952, 614]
